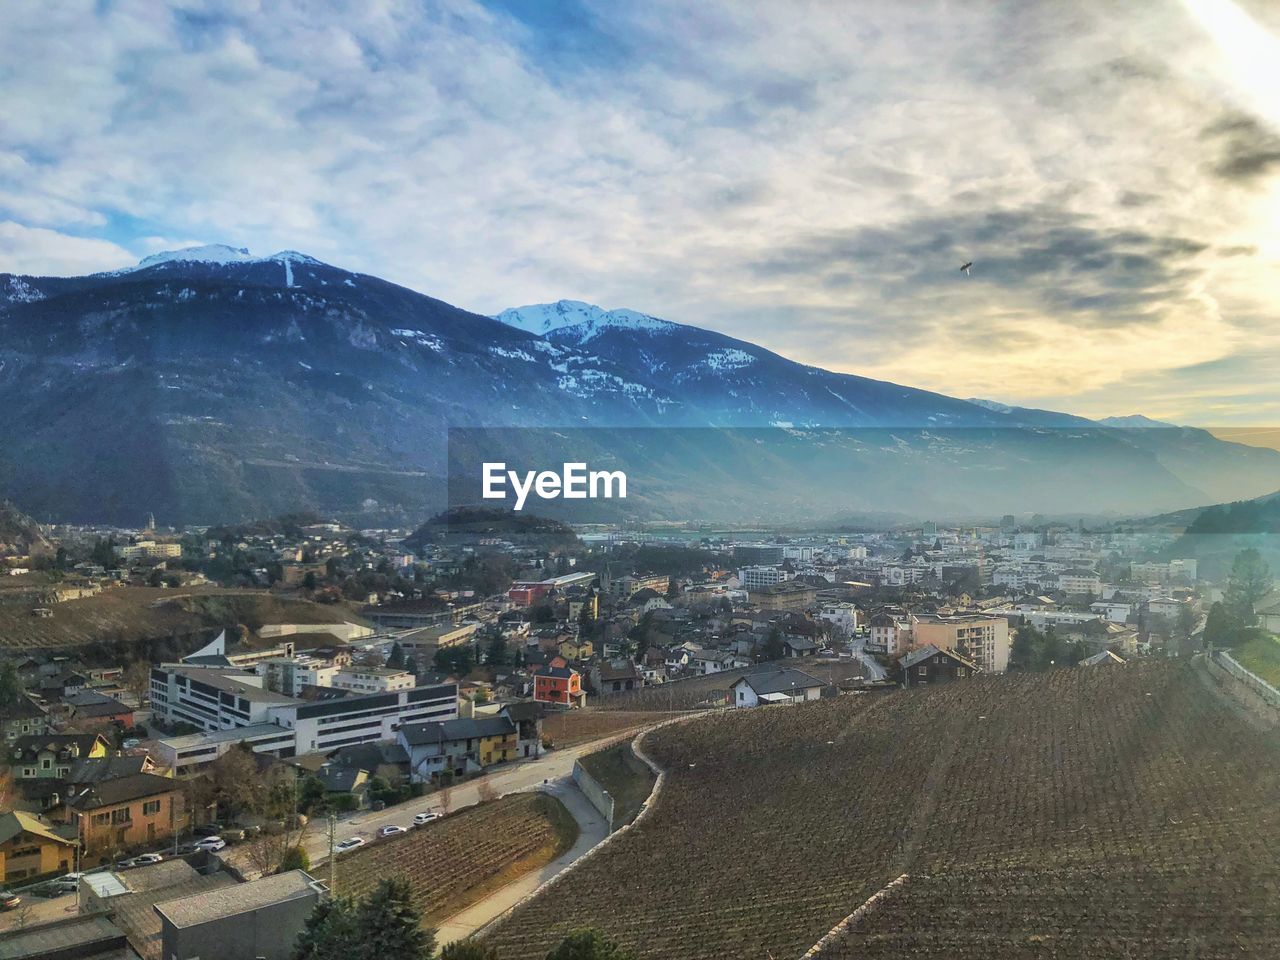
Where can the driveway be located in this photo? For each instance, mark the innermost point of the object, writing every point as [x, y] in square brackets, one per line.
[35, 910]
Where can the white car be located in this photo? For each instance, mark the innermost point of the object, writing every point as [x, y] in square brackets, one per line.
[211, 844]
[143, 859]
[422, 819]
[131, 743]
[68, 883]
[391, 829]
[349, 844]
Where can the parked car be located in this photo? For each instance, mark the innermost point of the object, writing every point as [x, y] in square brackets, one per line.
[211, 844]
[9, 900]
[391, 829]
[142, 859]
[207, 830]
[131, 743]
[422, 819]
[349, 844]
[67, 883]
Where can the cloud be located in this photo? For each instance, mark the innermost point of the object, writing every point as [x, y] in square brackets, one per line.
[808, 182]
[37, 251]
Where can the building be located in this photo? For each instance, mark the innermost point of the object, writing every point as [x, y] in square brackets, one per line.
[758, 554]
[345, 631]
[147, 550]
[843, 615]
[791, 595]
[185, 754]
[424, 643]
[561, 686]
[624, 587]
[616, 676]
[756, 577]
[258, 919]
[89, 705]
[1080, 583]
[219, 700]
[982, 639]
[31, 847]
[126, 812]
[526, 593]
[289, 675]
[52, 756]
[774, 686]
[461, 746]
[372, 679]
[21, 718]
[929, 665]
[90, 936]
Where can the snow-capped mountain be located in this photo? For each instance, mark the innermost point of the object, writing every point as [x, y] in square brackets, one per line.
[209, 384]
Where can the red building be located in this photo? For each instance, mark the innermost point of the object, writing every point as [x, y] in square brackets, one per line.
[558, 685]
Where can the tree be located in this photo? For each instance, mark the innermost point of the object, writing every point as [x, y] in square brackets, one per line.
[1249, 581]
[588, 944]
[773, 649]
[395, 660]
[10, 685]
[496, 655]
[137, 679]
[468, 950]
[641, 636]
[388, 925]
[411, 665]
[309, 581]
[329, 933]
[1221, 628]
[236, 785]
[295, 858]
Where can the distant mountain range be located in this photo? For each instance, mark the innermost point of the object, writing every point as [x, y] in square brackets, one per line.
[210, 386]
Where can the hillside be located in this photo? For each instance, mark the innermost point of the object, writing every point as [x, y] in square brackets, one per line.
[19, 534]
[209, 386]
[1107, 813]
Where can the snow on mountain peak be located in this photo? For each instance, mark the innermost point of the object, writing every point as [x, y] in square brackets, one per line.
[209, 253]
[586, 319]
[219, 253]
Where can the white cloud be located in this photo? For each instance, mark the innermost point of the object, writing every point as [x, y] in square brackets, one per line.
[659, 164]
[37, 251]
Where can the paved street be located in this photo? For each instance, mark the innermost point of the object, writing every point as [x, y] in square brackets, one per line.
[592, 830]
[37, 910]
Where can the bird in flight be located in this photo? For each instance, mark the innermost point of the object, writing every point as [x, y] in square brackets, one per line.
[966, 267]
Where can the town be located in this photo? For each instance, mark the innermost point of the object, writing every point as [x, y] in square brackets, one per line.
[295, 690]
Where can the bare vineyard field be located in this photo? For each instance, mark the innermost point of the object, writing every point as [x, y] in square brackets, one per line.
[447, 862]
[710, 691]
[574, 727]
[1109, 813]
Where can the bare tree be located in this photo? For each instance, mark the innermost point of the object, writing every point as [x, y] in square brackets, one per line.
[137, 679]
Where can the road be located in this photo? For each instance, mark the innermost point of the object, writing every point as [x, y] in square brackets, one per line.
[591, 830]
[515, 777]
[35, 910]
[874, 670]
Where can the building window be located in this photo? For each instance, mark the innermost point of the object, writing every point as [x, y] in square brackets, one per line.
[99, 819]
[922, 671]
[122, 815]
[151, 808]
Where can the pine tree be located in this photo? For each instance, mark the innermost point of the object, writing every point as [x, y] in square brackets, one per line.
[389, 926]
[395, 660]
[329, 933]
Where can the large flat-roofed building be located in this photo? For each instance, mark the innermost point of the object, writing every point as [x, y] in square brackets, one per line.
[412, 614]
[220, 700]
[425, 642]
[980, 638]
[763, 554]
[259, 919]
[627, 586]
[149, 549]
[186, 753]
[528, 592]
[788, 595]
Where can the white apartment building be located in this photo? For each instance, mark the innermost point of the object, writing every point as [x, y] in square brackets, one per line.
[372, 679]
[889, 634]
[843, 615]
[151, 549]
[982, 638]
[288, 675]
[1080, 583]
[753, 578]
[219, 699]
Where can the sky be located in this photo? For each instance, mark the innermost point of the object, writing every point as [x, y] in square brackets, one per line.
[804, 175]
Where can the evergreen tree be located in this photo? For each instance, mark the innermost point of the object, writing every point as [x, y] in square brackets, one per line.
[411, 664]
[497, 652]
[395, 660]
[10, 685]
[588, 944]
[295, 858]
[329, 933]
[773, 648]
[389, 926]
[1249, 581]
[1221, 627]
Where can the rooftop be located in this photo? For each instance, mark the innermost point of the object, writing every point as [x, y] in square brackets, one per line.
[234, 900]
[224, 736]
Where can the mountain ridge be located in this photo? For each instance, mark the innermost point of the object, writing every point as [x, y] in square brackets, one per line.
[229, 386]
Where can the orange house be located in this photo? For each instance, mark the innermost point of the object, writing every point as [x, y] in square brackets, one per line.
[118, 814]
[559, 685]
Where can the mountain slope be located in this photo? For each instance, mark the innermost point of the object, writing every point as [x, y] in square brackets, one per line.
[209, 385]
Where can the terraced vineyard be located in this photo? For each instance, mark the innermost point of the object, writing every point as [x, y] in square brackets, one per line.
[1104, 813]
[446, 861]
[695, 693]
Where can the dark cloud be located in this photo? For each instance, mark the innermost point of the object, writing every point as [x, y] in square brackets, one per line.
[1246, 150]
[1100, 276]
